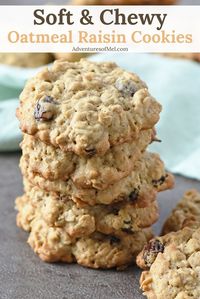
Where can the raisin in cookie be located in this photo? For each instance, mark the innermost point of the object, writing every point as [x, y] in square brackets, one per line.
[173, 263]
[86, 107]
[118, 219]
[53, 244]
[147, 178]
[186, 211]
[26, 59]
[97, 172]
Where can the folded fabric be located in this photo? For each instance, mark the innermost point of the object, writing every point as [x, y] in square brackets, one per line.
[173, 82]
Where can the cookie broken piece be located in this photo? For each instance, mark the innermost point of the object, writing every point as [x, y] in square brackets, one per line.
[98, 105]
[173, 271]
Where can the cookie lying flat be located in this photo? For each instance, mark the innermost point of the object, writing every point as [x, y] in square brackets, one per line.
[26, 59]
[53, 244]
[86, 107]
[147, 178]
[187, 210]
[118, 219]
[98, 172]
[174, 266]
[190, 56]
[72, 57]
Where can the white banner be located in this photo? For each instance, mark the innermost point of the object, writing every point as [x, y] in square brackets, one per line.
[99, 28]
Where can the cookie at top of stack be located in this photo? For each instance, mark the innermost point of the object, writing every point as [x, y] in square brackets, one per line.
[90, 186]
[86, 107]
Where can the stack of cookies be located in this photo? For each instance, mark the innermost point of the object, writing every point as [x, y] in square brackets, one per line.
[90, 185]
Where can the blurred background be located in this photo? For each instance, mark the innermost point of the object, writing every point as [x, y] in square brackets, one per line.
[35, 2]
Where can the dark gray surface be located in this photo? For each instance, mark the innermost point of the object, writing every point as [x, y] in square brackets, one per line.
[24, 276]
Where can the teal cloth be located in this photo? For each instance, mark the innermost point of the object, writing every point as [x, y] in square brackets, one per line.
[10, 135]
[173, 82]
[15, 77]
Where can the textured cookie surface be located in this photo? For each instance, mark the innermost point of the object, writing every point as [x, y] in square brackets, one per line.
[86, 107]
[53, 244]
[174, 266]
[26, 59]
[98, 172]
[187, 210]
[100, 251]
[118, 219]
[147, 178]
